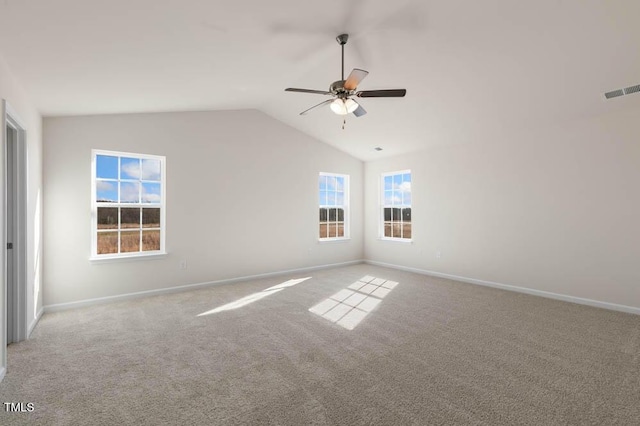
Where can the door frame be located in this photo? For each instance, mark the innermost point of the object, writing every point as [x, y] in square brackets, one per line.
[11, 119]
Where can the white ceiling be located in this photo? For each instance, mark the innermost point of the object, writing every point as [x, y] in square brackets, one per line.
[470, 67]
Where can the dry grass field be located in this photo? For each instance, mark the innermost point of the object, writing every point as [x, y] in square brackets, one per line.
[331, 230]
[397, 230]
[129, 241]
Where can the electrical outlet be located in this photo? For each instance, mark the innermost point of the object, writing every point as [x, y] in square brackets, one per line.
[183, 264]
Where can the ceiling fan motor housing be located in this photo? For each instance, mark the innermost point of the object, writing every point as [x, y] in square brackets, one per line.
[337, 88]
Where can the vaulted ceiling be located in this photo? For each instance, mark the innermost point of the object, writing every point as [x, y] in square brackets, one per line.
[469, 67]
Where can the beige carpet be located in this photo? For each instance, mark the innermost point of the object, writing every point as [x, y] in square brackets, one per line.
[433, 351]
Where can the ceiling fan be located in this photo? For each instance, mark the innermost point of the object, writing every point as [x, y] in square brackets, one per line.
[343, 91]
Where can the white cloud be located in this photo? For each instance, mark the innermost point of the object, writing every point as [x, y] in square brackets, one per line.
[150, 169]
[129, 192]
[104, 186]
[405, 186]
[131, 170]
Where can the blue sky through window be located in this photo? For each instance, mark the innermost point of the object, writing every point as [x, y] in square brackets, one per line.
[106, 191]
[106, 167]
[131, 169]
[397, 189]
[331, 190]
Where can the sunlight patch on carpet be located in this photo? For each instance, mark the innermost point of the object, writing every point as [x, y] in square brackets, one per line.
[350, 306]
[254, 297]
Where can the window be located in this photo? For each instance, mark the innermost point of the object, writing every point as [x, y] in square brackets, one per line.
[334, 206]
[128, 204]
[396, 205]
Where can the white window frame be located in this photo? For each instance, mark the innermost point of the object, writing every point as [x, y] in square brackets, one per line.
[344, 206]
[381, 194]
[94, 207]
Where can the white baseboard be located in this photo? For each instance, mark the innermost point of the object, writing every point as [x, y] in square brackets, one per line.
[35, 322]
[100, 300]
[541, 293]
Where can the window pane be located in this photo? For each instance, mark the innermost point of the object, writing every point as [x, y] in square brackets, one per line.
[388, 183]
[106, 167]
[406, 186]
[406, 198]
[106, 192]
[388, 198]
[397, 198]
[387, 229]
[107, 242]
[323, 215]
[406, 177]
[151, 193]
[324, 230]
[323, 183]
[129, 241]
[397, 181]
[396, 230]
[339, 183]
[406, 230]
[331, 183]
[150, 218]
[406, 214]
[396, 215]
[129, 168]
[339, 198]
[151, 169]
[129, 192]
[323, 198]
[108, 218]
[340, 217]
[333, 230]
[332, 215]
[331, 198]
[129, 217]
[387, 214]
[340, 229]
[150, 240]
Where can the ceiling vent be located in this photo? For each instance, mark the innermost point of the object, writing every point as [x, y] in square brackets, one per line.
[622, 92]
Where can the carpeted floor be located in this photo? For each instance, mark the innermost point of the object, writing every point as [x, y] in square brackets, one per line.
[433, 351]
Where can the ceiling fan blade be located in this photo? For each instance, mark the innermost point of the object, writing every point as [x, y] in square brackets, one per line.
[356, 76]
[317, 92]
[328, 101]
[359, 112]
[389, 93]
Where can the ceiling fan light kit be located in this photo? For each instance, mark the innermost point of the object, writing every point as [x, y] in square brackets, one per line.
[343, 91]
[343, 106]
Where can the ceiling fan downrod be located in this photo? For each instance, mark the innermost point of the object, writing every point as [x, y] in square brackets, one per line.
[342, 40]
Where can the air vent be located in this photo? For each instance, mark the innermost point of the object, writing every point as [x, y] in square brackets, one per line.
[632, 89]
[614, 94]
[622, 92]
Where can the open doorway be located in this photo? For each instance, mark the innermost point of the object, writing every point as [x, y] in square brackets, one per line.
[14, 230]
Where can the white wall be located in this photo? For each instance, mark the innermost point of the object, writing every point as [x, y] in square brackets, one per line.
[13, 93]
[554, 210]
[241, 200]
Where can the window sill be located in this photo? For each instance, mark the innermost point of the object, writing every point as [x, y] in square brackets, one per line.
[334, 240]
[97, 260]
[396, 240]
